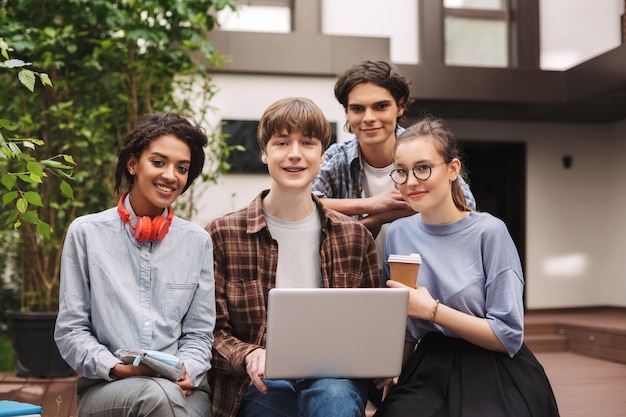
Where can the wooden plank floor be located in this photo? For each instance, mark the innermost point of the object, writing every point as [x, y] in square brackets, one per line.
[56, 396]
[583, 386]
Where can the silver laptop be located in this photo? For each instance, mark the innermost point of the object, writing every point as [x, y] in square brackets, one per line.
[335, 332]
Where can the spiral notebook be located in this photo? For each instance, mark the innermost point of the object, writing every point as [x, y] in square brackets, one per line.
[335, 332]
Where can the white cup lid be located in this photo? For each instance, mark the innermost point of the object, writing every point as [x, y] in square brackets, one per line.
[413, 258]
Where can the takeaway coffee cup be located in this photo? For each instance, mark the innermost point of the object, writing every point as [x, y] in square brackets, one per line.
[404, 268]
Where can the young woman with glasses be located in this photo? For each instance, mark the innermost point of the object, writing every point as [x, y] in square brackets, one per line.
[466, 316]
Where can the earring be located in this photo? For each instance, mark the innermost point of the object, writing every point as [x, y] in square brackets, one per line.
[131, 172]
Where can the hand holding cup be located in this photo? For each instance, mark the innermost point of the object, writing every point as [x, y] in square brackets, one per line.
[405, 268]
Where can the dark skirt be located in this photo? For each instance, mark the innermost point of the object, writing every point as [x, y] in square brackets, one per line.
[450, 377]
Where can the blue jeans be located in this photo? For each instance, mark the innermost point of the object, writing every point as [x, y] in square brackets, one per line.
[307, 398]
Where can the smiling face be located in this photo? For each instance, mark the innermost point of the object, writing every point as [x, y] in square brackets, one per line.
[160, 174]
[432, 197]
[372, 114]
[293, 159]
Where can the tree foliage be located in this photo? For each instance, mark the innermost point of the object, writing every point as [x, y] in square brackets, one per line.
[110, 62]
[20, 169]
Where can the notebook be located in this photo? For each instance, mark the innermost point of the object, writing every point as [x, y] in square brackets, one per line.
[16, 408]
[335, 332]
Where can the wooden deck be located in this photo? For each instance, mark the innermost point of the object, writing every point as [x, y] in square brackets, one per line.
[584, 385]
[57, 396]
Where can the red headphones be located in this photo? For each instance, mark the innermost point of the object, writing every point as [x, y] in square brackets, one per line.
[146, 228]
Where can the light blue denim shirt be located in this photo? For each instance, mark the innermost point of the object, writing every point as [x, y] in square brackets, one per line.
[119, 293]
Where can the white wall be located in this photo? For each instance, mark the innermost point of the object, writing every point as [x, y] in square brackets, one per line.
[394, 19]
[569, 237]
[615, 290]
[574, 31]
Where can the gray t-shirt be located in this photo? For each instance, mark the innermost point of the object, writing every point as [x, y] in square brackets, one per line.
[299, 263]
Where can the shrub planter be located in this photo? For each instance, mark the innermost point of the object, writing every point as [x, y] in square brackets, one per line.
[36, 353]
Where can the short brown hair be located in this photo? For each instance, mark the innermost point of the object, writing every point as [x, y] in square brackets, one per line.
[294, 114]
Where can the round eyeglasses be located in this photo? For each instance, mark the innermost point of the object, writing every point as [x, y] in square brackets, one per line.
[421, 171]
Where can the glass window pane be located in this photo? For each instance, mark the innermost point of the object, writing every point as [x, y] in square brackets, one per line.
[275, 19]
[475, 4]
[475, 42]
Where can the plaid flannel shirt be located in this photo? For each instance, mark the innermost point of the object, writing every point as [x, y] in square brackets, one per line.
[245, 260]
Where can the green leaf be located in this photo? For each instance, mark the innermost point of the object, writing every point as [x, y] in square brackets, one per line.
[45, 79]
[27, 77]
[44, 229]
[21, 205]
[8, 197]
[31, 217]
[35, 169]
[6, 124]
[33, 198]
[36, 179]
[13, 214]
[4, 49]
[8, 181]
[52, 163]
[66, 190]
[25, 178]
[69, 159]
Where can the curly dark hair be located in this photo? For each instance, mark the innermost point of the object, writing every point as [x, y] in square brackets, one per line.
[153, 126]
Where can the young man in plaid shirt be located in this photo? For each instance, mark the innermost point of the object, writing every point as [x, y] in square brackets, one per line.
[284, 238]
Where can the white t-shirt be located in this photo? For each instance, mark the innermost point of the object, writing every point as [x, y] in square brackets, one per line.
[376, 181]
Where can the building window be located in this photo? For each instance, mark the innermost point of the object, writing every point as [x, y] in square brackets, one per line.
[272, 16]
[476, 33]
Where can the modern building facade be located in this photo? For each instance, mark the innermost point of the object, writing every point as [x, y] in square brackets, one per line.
[543, 128]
